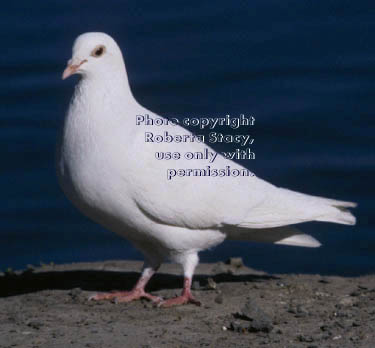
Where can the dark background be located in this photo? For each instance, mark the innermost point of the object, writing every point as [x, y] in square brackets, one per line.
[304, 69]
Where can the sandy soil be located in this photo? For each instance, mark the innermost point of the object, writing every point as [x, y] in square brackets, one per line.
[48, 307]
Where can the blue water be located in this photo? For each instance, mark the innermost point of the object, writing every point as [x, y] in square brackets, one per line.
[304, 69]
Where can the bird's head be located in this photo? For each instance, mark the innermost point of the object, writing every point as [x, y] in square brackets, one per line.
[94, 54]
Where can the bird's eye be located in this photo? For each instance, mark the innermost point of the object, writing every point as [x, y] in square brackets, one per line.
[98, 51]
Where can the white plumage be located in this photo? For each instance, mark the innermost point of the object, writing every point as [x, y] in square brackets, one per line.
[110, 173]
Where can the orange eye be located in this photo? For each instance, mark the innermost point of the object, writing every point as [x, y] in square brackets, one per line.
[98, 51]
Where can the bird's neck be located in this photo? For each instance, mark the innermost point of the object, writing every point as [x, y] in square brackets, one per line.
[103, 97]
[99, 107]
[114, 85]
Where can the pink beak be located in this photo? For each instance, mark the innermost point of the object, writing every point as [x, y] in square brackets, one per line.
[71, 69]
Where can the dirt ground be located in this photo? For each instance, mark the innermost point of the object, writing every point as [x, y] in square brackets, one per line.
[48, 307]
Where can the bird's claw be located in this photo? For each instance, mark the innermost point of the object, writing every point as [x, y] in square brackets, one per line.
[179, 300]
[125, 296]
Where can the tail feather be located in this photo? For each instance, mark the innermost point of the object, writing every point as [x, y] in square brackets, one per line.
[333, 202]
[342, 216]
[339, 215]
[286, 235]
[268, 222]
[288, 207]
[303, 240]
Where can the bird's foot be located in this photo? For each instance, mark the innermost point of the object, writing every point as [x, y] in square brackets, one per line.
[179, 300]
[126, 296]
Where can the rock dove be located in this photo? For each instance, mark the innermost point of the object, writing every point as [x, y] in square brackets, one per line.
[109, 171]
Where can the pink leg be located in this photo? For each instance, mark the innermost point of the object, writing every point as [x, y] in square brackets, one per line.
[185, 298]
[136, 293]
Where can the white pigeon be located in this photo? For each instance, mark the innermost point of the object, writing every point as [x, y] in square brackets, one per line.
[110, 173]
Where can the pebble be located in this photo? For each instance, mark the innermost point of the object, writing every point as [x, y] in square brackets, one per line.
[354, 293]
[211, 285]
[259, 321]
[355, 338]
[219, 298]
[347, 301]
[305, 338]
[235, 262]
[196, 285]
[260, 325]
[343, 314]
[323, 281]
[321, 294]
[299, 311]
[74, 293]
[238, 326]
[35, 324]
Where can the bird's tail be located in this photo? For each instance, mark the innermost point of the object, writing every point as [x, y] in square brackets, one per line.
[337, 211]
[285, 235]
[289, 207]
[341, 216]
[268, 222]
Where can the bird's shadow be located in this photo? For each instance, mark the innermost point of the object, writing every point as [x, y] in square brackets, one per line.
[96, 280]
